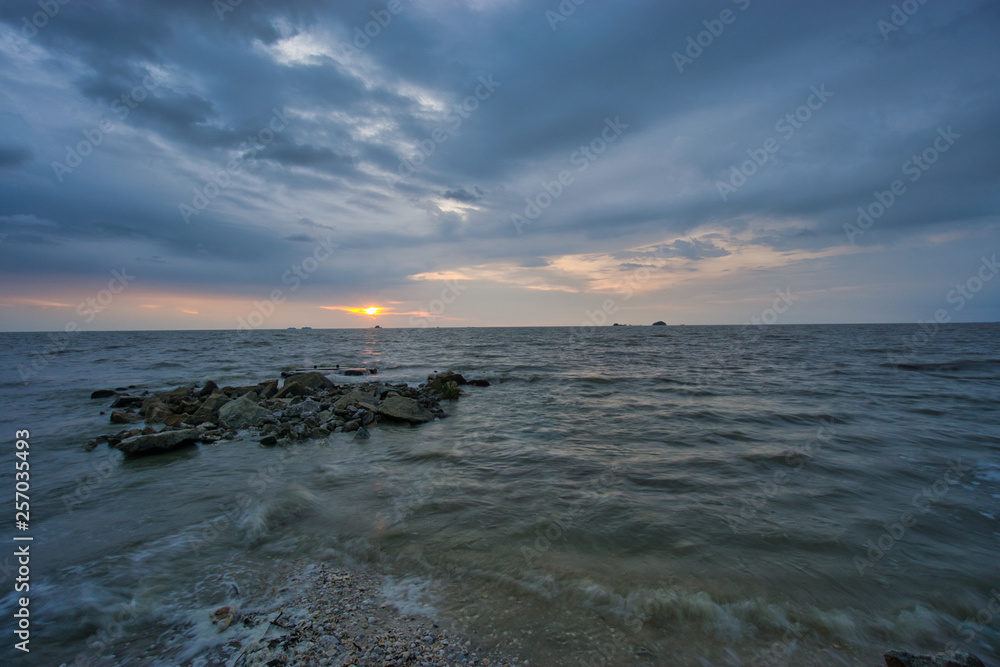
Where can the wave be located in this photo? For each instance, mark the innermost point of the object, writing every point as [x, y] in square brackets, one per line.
[955, 366]
[258, 519]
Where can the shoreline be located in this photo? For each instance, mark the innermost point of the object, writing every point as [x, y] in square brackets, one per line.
[335, 615]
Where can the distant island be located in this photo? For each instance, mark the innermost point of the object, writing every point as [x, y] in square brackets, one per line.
[655, 324]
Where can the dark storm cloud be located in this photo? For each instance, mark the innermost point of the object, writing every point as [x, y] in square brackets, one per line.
[308, 156]
[464, 195]
[14, 156]
[415, 93]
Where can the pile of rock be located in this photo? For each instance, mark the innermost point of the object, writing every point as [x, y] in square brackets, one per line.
[306, 405]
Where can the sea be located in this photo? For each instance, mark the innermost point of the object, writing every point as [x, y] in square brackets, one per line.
[656, 495]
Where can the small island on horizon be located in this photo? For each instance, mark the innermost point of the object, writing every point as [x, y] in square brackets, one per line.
[658, 323]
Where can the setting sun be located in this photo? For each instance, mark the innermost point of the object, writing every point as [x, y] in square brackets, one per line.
[372, 311]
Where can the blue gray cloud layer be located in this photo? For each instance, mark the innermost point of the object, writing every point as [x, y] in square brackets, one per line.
[397, 147]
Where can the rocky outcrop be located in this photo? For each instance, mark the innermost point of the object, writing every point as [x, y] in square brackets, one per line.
[440, 381]
[405, 409]
[242, 413]
[156, 443]
[307, 406]
[103, 393]
[659, 324]
[956, 659]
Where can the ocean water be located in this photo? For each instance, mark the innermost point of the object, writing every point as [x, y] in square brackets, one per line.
[802, 495]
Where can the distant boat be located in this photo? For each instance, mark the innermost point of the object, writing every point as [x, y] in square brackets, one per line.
[661, 323]
[376, 327]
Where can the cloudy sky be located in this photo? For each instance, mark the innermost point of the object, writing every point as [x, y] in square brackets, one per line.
[186, 164]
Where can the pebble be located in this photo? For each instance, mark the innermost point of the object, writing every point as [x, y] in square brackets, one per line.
[336, 620]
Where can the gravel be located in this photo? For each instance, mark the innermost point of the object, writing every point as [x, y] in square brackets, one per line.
[334, 617]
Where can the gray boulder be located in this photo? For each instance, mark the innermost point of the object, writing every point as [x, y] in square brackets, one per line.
[122, 417]
[156, 443]
[209, 389]
[268, 388]
[242, 413]
[312, 380]
[293, 389]
[405, 409]
[209, 410]
[357, 397]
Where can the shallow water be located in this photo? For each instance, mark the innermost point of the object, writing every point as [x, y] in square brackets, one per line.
[674, 495]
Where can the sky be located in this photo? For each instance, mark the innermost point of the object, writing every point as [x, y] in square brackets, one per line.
[190, 164]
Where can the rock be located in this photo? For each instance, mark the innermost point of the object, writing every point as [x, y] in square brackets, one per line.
[956, 659]
[436, 382]
[174, 395]
[177, 420]
[479, 383]
[158, 442]
[352, 425]
[241, 413]
[103, 393]
[269, 441]
[209, 389]
[236, 392]
[318, 433]
[209, 410]
[158, 413]
[356, 397]
[127, 402]
[223, 616]
[267, 389]
[293, 389]
[298, 409]
[122, 417]
[659, 324]
[312, 380]
[362, 434]
[118, 438]
[405, 409]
